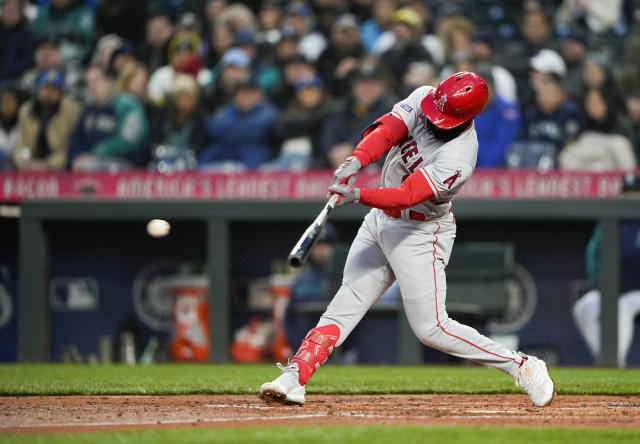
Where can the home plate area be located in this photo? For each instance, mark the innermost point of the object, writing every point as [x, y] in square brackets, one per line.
[39, 414]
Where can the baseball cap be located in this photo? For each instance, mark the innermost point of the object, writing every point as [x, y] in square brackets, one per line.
[548, 61]
[306, 82]
[369, 72]
[244, 37]
[345, 21]
[235, 57]
[51, 77]
[298, 8]
[248, 82]
[407, 16]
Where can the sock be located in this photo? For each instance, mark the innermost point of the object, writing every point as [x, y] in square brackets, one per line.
[315, 350]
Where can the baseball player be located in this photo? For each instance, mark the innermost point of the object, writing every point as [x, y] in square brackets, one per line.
[408, 237]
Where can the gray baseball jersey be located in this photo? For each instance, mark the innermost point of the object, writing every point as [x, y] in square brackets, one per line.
[445, 165]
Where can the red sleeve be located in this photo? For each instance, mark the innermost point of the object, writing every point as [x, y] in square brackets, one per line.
[386, 132]
[414, 190]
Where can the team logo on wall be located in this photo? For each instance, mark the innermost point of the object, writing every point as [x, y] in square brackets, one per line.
[6, 306]
[78, 294]
[156, 287]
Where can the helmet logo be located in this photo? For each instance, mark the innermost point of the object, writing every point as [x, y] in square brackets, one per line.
[441, 101]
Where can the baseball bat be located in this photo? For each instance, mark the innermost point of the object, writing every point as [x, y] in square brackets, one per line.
[299, 253]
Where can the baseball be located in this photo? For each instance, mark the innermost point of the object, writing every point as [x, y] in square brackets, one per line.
[158, 228]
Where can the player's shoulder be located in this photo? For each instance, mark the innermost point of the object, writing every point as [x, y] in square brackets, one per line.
[420, 92]
[411, 103]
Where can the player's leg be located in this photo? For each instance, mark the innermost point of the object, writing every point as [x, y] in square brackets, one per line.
[418, 258]
[586, 315]
[628, 308]
[366, 276]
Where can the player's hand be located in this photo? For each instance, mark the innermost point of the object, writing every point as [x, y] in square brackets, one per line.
[347, 172]
[347, 194]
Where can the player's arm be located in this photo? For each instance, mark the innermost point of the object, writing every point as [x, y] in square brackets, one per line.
[384, 133]
[414, 190]
[440, 180]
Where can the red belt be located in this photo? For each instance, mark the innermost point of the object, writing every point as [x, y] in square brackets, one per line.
[413, 215]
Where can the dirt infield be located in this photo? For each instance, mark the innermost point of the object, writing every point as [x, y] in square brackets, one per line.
[92, 413]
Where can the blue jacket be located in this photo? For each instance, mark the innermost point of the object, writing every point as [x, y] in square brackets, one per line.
[118, 128]
[240, 137]
[16, 51]
[497, 127]
[557, 129]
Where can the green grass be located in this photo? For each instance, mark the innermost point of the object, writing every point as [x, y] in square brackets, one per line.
[59, 379]
[343, 434]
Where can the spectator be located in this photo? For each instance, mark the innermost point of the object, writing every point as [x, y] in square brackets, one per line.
[545, 63]
[134, 79]
[497, 127]
[47, 57]
[112, 131]
[10, 101]
[602, 145]
[177, 134]
[298, 129]
[596, 75]
[418, 74]
[237, 16]
[270, 19]
[293, 70]
[574, 52]
[547, 127]
[599, 16]
[381, 22]
[455, 34]
[240, 133]
[536, 35]
[481, 50]
[341, 57]
[159, 29]
[17, 41]
[121, 57]
[267, 75]
[72, 21]
[104, 49]
[45, 123]
[346, 123]
[220, 40]
[311, 42]
[407, 48]
[184, 57]
[234, 67]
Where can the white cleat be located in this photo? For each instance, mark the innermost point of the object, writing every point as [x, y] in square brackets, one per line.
[285, 389]
[533, 377]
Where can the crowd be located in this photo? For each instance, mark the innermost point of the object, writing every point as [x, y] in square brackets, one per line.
[216, 85]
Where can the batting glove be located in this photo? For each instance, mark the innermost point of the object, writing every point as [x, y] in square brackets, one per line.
[347, 194]
[347, 172]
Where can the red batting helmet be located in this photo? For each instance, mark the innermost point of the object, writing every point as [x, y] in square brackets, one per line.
[458, 98]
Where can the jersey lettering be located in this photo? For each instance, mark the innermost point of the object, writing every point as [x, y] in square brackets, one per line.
[415, 165]
[451, 180]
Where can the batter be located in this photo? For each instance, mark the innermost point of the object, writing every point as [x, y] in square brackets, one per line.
[408, 237]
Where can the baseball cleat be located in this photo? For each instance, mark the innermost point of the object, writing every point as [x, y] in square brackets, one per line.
[533, 377]
[285, 389]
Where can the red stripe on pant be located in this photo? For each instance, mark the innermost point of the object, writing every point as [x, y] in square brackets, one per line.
[435, 283]
[315, 349]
